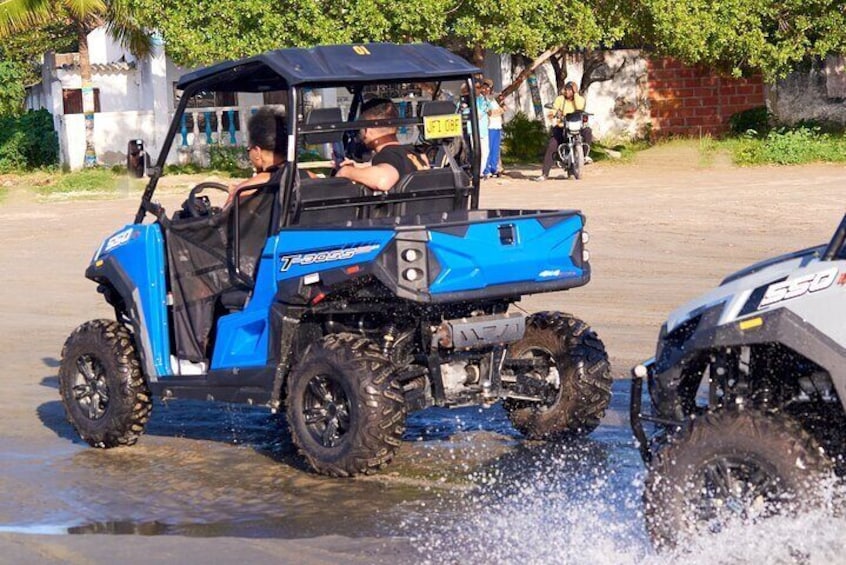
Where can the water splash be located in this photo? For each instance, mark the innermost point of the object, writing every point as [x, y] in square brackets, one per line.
[575, 505]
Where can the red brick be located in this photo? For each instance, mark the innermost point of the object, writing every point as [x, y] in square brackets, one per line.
[727, 89]
[711, 100]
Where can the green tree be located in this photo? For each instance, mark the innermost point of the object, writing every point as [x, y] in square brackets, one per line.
[747, 35]
[85, 16]
[204, 31]
[12, 91]
[737, 35]
[20, 61]
[526, 28]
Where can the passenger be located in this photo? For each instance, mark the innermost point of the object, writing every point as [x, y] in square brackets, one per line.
[391, 160]
[268, 148]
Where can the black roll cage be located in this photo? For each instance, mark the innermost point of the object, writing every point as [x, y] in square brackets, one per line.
[283, 216]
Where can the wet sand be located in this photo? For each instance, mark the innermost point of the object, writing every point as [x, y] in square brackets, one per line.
[664, 229]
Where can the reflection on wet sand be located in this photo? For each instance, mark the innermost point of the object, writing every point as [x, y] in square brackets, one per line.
[211, 469]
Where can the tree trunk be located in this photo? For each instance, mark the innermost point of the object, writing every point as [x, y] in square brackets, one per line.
[479, 56]
[559, 65]
[508, 90]
[87, 95]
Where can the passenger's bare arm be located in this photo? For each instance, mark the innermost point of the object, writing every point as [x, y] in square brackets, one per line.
[380, 177]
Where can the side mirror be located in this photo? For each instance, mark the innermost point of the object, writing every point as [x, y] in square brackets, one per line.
[136, 158]
[148, 164]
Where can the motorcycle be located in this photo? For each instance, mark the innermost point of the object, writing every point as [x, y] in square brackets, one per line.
[572, 151]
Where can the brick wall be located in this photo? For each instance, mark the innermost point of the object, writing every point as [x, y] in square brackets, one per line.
[687, 100]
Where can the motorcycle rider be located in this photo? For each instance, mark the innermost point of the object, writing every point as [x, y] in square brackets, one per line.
[568, 101]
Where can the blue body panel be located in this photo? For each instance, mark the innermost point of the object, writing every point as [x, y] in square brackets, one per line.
[139, 250]
[242, 337]
[478, 260]
[469, 261]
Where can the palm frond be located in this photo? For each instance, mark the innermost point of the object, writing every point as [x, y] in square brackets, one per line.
[84, 9]
[124, 28]
[17, 15]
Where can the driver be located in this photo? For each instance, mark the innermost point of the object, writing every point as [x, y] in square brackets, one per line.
[568, 102]
[268, 148]
[391, 160]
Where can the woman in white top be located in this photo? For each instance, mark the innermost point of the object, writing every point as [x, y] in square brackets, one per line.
[495, 113]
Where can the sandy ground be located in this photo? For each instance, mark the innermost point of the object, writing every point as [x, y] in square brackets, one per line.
[664, 229]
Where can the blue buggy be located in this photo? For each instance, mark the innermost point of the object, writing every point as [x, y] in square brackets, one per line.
[345, 308]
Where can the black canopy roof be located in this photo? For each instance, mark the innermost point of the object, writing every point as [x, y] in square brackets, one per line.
[331, 65]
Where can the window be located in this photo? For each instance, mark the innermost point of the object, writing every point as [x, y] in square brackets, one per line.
[72, 100]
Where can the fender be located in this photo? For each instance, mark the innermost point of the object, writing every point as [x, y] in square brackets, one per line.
[777, 326]
[131, 265]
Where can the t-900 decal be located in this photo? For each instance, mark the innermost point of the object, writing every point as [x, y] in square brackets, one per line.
[799, 286]
[326, 256]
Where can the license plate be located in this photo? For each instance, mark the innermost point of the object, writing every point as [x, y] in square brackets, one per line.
[438, 127]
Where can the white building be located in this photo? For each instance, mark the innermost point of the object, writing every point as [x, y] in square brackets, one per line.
[134, 99]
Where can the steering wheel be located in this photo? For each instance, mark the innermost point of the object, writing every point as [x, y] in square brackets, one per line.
[195, 207]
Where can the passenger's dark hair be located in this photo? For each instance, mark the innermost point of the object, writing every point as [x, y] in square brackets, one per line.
[266, 129]
[378, 108]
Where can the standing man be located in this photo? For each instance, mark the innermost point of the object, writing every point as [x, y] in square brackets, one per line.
[568, 102]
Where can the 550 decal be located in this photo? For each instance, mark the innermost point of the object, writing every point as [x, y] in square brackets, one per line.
[800, 286]
[327, 256]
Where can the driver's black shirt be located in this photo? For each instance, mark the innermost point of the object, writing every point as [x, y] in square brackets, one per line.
[401, 157]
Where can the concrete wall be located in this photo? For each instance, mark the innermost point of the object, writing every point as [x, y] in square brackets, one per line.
[620, 106]
[112, 132]
[646, 95]
[814, 93]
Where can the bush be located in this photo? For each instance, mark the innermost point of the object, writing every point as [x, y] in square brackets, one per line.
[187, 169]
[822, 126]
[12, 90]
[524, 139]
[757, 121]
[790, 147]
[28, 142]
[228, 158]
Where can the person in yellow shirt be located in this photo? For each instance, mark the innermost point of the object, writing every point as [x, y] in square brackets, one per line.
[568, 101]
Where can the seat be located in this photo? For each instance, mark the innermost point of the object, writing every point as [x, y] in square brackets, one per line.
[234, 299]
[332, 133]
[435, 191]
[327, 202]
